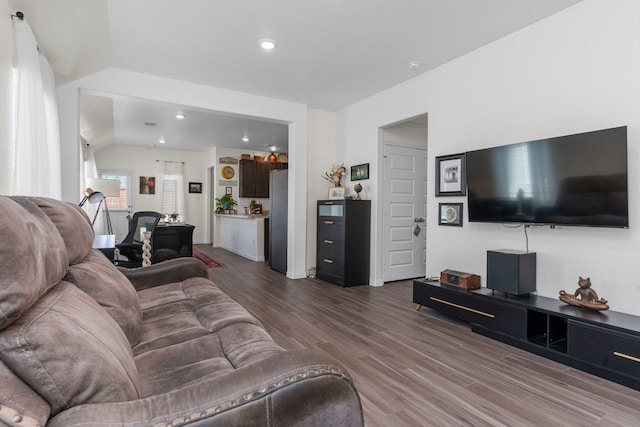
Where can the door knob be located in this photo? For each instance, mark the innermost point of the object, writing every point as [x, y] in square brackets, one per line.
[418, 219]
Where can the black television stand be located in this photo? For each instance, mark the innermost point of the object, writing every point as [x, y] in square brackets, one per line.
[606, 344]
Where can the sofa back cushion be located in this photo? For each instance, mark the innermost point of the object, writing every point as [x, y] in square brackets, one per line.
[34, 256]
[72, 223]
[99, 278]
[70, 351]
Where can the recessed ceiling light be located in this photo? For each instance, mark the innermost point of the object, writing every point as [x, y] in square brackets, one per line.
[245, 138]
[273, 148]
[414, 65]
[179, 116]
[162, 141]
[267, 44]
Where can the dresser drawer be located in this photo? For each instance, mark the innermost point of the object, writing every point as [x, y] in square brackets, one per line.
[330, 265]
[613, 350]
[330, 229]
[331, 248]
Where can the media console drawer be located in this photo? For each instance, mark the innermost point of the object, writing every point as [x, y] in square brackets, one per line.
[617, 351]
[473, 308]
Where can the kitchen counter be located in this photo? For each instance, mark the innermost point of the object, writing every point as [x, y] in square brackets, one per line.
[242, 234]
[243, 216]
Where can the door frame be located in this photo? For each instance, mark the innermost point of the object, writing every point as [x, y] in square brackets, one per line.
[378, 224]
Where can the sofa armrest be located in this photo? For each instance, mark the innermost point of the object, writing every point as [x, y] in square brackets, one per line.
[174, 270]
[297, 387]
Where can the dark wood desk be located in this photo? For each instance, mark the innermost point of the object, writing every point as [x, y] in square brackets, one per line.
[106, 243]
[171, 241]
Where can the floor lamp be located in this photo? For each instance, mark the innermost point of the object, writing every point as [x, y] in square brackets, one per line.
[97, 192]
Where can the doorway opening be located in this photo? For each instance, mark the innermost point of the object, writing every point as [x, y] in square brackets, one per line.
[403, 206]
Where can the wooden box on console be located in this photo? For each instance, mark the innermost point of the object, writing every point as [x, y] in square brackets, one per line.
[460, 279]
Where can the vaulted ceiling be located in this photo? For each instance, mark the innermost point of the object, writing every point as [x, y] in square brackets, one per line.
[329, 53]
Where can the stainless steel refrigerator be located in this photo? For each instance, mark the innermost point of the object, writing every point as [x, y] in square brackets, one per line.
[278, 192]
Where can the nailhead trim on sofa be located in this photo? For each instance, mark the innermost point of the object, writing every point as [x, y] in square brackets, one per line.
[254, 395]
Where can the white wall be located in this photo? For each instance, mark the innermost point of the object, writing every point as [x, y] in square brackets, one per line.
[142, 162]
[408, 134]
[321, 156]
[6, 111]
[148, 87]
[575, 71]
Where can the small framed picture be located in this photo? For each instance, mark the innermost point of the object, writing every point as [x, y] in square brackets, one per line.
[227, 190]
[147, 185]
[450, 175]
[336, 193]
[450, 214]
[195, 187]
[359, 172]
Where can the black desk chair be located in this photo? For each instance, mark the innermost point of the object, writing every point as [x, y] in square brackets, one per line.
[131, 246]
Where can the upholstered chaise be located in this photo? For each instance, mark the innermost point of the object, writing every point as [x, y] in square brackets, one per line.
[84, 343]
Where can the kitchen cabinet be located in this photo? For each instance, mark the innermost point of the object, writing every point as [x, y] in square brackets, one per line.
[254, 177]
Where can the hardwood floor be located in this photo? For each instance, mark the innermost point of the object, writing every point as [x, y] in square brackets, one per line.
[420, 368]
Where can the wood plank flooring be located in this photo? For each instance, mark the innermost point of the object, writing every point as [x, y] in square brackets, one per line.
[420, 368]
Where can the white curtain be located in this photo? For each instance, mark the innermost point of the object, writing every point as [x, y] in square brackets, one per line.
[173, 187]
[37, 138]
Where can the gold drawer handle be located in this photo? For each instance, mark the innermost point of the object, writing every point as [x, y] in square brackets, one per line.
[626, 356]
[328, 261]
[462, 307]
[328, 222]
[329, 242]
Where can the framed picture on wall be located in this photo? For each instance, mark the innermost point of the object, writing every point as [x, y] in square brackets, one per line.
[450, 214]
[359, 172]
[195, 187]
[450, 175]
[147, 185]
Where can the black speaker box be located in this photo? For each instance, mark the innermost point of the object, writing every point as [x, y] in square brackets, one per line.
[511, 272]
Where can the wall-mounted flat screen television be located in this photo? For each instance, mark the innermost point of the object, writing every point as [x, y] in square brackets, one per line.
[576, 180]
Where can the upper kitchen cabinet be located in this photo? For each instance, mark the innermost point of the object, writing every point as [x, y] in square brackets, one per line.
[254, 177]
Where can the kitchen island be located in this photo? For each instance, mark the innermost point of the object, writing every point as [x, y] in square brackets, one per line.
[242, 234]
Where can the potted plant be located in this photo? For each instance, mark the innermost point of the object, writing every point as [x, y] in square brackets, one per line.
[225, 203]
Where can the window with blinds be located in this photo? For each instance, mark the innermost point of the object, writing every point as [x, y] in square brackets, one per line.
[169, 195]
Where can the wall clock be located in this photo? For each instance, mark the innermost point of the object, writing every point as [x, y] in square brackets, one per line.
[227, 172]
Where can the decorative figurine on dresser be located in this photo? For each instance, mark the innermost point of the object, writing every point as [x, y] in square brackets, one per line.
[343, 241]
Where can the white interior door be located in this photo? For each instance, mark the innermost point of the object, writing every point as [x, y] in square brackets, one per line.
[404, 213]
[119, 208]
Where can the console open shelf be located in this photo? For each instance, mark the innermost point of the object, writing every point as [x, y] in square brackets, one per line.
[606, 344]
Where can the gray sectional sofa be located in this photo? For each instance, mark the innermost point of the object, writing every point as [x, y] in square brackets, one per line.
[84, 343]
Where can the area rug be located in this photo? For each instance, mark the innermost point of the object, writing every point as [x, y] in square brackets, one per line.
[205, 259]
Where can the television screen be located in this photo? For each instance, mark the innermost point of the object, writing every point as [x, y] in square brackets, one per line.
[576, 179]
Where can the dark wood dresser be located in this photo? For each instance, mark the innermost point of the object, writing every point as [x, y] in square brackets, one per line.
[343, 241]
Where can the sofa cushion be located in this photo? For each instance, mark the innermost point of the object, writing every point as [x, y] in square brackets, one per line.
[168, 368]
[18, 400]
[99, 278]
[27, 238]
[72, 224]
[70, 351]
[177, 312]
